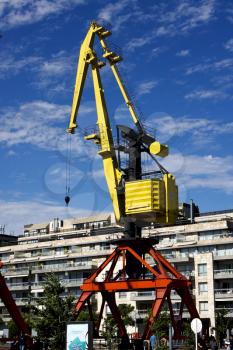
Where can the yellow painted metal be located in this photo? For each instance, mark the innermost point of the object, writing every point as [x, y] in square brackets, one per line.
[152, 200]
[115, 71]
[142, 196]
[158, 149]
[83, 64]
[93, 137]
[112, 174]
[171, 191]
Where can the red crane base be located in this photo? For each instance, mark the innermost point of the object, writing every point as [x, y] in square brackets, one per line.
[159, 276]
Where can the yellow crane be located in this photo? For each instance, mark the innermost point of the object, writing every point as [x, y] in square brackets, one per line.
[139, 197]
[135, 199]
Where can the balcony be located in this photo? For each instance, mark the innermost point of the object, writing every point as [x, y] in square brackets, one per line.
[223, 294]
[177, 257]
[224, 273]
[18, 286]
[142, 296]
[228, 309]
[143, 314]
[72, 282]
[24, 271]
[15, 272]
[65, 267]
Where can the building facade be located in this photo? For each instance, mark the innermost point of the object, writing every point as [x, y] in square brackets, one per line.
[72, 249]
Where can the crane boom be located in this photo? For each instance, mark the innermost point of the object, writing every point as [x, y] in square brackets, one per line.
[107, 151]
[113, 59]
[83, 64]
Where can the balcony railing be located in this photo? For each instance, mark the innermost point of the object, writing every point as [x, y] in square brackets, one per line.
[55, 267]
[224, 291]
[228, 309]
[40, 284]
[223, 273]
[142, 296]
[72, 282]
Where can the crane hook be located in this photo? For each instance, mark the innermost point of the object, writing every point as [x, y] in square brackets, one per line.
[67, 200]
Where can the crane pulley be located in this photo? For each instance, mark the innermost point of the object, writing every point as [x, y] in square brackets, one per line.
[136, 198]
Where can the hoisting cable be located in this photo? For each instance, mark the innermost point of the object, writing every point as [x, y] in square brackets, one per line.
[68, 161]
[161, 168]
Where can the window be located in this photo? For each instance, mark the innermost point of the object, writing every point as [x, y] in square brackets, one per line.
[202, 269]
[105, 246]
[202, 288]
[203, 305]
[122, 294]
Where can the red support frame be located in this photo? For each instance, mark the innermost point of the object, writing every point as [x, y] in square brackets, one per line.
[163, 279]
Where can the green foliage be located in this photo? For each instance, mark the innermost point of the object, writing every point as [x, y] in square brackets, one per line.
[125, 311]
[161, 325]
[2, 323]
[53, 314]
[85, 316]
[110, 328]
[13, 329]
[189, 335]
[222, 323]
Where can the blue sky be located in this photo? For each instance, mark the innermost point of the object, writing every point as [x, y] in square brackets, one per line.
[178, 65]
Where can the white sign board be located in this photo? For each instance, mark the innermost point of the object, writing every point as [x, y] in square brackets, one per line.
[196, 325]
[79, 336]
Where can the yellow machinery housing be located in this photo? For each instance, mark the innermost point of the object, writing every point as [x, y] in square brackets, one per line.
[152, 200]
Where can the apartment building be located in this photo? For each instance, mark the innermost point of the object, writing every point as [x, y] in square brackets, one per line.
[202, 250]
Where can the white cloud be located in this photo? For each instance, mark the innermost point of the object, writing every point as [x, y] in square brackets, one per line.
[184, 17]
[157, 50]
[202, 171]
[229, 45]
[181, 19]
[11, 153]
[109, 12]
[26, 212]
[211, 65]
[20, 12]
[188, 15]
[206, 94]
[116, 13]
[230, 13]
[136, 43]
[59, 64]
[121, 112]
[202, 130]
[145, 87]
[37, 123]
[54, 74]
[51, 75]
[183, 53]
[11, 65]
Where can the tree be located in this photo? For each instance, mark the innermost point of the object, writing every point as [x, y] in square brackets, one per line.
[222, 324]
[189, 335]
[53, 313]
[161, 327]
[13, 329]
[110, 328]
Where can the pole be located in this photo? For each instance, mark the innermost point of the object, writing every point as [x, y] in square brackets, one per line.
[196, 340]
[170, 337]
